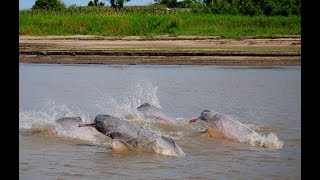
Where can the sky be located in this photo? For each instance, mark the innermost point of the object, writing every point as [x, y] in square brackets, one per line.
[27, 4]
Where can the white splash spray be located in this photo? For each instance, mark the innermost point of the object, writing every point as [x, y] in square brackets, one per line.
[42, 119]
[128, 101]
[47, 114]
[270, 141]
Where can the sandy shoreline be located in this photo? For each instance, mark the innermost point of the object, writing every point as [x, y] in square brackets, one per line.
[163, 50]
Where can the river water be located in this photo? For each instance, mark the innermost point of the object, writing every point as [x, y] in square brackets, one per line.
[267, 99]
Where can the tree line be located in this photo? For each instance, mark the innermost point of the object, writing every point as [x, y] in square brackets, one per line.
[230, 7]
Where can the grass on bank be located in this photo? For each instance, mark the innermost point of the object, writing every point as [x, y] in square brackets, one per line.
[151, 24]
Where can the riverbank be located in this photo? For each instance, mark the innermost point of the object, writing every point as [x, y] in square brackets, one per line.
[164, 50]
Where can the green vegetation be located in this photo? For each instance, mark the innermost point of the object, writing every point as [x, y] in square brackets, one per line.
[155, 20]
[114, 3]
[231, 7]
[234, 7]
[118, 3]
[95, 3]
[49, 5]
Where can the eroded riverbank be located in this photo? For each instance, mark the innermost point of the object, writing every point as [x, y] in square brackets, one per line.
[187, 50]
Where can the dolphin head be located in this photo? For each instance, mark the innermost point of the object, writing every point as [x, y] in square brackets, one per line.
[169, 147]
[204, 116]
[101, 123]
[144, 105]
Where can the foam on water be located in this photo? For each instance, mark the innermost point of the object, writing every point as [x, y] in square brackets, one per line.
[270, 141]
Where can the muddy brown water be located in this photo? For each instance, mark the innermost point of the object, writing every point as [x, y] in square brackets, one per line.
[266, 99]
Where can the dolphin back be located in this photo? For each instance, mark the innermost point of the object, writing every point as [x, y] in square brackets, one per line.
[152, 112]
[227, 125]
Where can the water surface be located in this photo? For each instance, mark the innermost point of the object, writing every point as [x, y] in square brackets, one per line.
[265, 98]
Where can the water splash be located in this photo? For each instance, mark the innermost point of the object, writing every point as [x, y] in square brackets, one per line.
[47, 114]
[41, 120]
[144, 91]
[127, 102]
[125, 105]
[270, 141]
[257, 139]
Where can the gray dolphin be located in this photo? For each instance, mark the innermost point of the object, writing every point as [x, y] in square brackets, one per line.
[70, 126]
[222, 125]
[126, 135]
[152, 112]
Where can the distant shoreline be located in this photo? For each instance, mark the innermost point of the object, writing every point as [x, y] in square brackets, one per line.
[162, 50]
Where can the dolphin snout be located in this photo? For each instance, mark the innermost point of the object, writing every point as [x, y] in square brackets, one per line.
[193, 120]
[84, 125]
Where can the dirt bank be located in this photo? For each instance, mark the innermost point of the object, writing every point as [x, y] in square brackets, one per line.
[190, 50]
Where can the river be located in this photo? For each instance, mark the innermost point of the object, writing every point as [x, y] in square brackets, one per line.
[267, 99]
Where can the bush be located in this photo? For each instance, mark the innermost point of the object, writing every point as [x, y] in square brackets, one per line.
[223, 7]
[186, 3]
[269, 7]
[247, 7]
[54, 5]
[95, 3]
[250, 8]
[288, 7]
